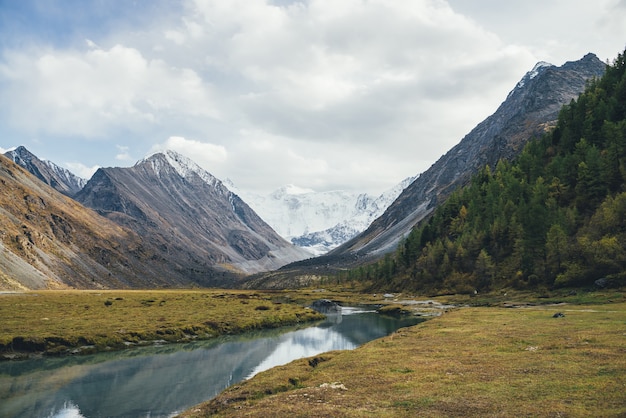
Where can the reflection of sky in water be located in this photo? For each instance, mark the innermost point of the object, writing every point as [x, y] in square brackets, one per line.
[304, 343]
[69, 411]
[163, 381]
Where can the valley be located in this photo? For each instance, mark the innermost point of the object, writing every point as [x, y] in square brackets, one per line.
[514, 353]
[516, 358]
[521, 268]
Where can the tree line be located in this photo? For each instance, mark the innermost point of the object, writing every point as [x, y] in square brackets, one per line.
[553, 217]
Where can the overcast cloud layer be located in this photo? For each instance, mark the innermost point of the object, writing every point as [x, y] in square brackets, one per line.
[324, 94]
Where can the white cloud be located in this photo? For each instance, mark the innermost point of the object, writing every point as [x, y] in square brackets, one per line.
[354, 94]
[123, 154]
[554, 30]
[81, 170]
[357, 72]
[175, 36]
[209, 156]
[92, 93]
[325, 86]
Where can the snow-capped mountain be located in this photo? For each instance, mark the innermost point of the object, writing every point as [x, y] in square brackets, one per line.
[58, 177]
[537, 69]
[185, 167]
[319, 221]
[197, 224]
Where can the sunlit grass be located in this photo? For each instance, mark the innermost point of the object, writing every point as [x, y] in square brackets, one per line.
[485, 361]
[55, 321]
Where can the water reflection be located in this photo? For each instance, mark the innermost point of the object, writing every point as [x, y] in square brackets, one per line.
[161, 381]
[304, 344]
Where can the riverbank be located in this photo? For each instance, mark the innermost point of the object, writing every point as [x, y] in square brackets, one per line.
[516, 358]
[81, 322]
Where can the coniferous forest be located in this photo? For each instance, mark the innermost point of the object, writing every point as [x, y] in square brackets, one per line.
[553, 217]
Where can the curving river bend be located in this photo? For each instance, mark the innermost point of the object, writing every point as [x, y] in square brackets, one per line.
[161, 381]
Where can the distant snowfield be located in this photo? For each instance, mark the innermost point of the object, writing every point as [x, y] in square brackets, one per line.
[319, 221]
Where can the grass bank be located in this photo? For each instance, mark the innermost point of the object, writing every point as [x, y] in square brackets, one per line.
[521, 360]
[71, 322]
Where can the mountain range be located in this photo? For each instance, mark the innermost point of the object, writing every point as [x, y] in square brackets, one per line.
[528, 111]
[167, 222]
[163, 222]
[320, 221]
[315, 221]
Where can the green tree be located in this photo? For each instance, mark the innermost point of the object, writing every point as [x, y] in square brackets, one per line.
[484, 270]
[557, 250]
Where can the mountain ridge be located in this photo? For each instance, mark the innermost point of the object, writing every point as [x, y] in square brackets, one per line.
[319, 221]
[47, 171]
[553, 217]
[49, 240]
[529, 110]
[172, 212]
[188, 213]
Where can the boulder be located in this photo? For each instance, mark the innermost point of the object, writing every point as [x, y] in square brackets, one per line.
[326, 306]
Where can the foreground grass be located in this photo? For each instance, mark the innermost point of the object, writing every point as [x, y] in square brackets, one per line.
[474, 361]
[61, 322]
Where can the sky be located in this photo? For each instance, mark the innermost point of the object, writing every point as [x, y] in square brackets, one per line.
[351, 95]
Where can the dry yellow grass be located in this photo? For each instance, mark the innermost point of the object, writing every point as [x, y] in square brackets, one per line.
[58, 321]
[476, 362]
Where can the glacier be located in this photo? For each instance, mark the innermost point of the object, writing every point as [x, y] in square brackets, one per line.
[319, 221]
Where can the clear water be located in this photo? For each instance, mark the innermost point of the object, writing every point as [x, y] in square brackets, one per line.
[162, 381]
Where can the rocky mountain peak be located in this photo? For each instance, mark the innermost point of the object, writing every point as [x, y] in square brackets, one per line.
[53, 175]
[190, 215]
[170, 161]
[540, 67]
[529, 110]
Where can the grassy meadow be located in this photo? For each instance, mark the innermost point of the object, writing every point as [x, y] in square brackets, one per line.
[83, 321]
[493, 355]
[504, 360]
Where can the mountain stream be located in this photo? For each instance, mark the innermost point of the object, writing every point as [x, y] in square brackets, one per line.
[163, 380]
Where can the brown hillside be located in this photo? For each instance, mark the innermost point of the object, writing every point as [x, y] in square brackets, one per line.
[48, 240]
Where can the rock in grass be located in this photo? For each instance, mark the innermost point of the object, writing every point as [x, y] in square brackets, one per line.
[326, 306]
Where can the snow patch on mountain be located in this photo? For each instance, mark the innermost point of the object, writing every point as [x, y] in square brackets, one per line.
[319, 221]
[537, 69]
[69, 177]
[184, 166]
[50, 173]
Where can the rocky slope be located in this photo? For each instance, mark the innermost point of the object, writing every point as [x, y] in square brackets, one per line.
[55, 176]
[48, 240]
[530, 109]
[196, 223]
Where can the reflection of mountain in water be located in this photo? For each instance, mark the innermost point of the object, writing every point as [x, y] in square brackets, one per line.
[361, 328]
[339, 332]
[158, 382]
[304, 343]
[153, 385]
